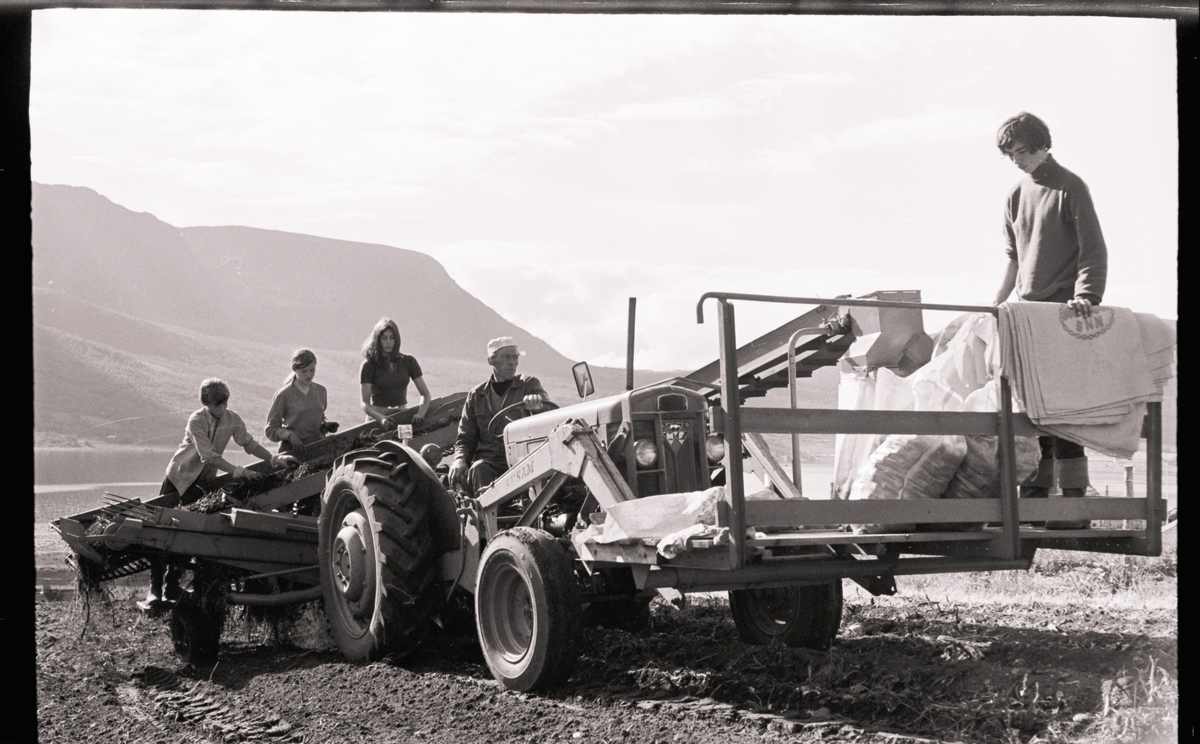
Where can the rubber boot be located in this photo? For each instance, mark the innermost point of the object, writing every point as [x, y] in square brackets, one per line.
[171, 589]
[153, 598]
[1037, 486]
[1073, 479]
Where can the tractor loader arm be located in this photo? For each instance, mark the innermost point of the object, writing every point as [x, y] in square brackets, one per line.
[571, 451]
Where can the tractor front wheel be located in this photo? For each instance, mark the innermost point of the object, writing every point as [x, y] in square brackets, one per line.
[798, 616]
[527, 610]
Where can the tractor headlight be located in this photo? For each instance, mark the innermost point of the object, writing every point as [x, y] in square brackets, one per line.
[714, 447]
[645, 452]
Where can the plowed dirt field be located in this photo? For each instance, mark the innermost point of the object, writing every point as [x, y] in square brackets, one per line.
[1071, 651]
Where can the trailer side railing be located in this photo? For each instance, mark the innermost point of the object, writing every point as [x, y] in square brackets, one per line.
[1011, 543]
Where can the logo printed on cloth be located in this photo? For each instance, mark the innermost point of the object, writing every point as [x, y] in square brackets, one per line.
[675, 435]
[1101, 320]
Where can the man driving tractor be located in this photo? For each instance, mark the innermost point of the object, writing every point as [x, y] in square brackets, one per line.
[479, 449]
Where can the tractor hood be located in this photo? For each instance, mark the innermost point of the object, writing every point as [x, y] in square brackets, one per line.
[611, 410]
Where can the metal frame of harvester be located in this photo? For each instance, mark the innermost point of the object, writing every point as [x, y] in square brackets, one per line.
[392, 546]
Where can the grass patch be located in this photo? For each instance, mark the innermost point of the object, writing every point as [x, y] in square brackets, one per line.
[1062, 577]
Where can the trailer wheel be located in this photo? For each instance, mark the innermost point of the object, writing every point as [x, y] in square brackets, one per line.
[798, 616]
[195, 635]
[376, 557]
[198, 618]
[631, 615]
[527, 610]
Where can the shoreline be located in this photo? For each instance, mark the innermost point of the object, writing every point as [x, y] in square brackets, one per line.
[43, 488]
[84, 445]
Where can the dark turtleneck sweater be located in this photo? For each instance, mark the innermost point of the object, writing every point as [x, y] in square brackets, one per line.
[1051, 229]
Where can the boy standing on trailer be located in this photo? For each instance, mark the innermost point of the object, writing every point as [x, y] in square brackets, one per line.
[1056, 253]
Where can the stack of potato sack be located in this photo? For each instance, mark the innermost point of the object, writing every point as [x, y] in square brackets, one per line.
[961, 376]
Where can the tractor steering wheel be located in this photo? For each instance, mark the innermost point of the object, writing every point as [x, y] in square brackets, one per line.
[504, 415]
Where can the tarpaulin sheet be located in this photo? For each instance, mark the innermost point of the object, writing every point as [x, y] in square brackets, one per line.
[1086, 379]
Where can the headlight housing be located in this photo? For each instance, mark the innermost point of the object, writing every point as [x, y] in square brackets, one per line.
[645, 452]
[714, 447]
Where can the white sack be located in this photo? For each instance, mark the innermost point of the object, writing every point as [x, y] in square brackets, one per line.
[658, 516]
[878, 390]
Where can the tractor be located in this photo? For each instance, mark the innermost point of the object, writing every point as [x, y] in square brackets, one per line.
[568, 535]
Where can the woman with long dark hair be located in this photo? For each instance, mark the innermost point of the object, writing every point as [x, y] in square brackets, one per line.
[385, 375]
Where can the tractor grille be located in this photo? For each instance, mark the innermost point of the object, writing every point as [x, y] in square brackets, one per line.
[681, 465]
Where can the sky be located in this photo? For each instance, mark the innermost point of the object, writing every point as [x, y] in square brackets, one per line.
[558, 165]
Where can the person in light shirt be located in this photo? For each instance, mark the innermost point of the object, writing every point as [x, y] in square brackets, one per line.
[196, 462]
[297, 415]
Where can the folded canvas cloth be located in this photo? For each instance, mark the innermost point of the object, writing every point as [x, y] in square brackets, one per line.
[1086, 379]
[1158, 339]
[1118, 440]
[1071, 365]
[1157, 335]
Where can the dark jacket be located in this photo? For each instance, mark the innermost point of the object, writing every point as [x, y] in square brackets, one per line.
[474, 442]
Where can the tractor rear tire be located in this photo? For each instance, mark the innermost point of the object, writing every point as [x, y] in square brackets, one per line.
[527, 610]
[378, 567]
[797, 616]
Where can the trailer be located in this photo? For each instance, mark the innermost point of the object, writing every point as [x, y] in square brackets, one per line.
[560, 539]
[249, 543]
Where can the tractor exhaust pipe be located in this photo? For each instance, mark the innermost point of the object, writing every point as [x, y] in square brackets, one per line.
[629, 346]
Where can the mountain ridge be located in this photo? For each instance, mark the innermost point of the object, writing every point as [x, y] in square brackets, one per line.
[131, 313]
[264, 285]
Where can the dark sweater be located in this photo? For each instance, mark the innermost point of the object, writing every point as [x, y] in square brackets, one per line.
[1052, 231]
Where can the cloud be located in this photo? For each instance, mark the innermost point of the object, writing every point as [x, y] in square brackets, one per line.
[743, 97]
[690, 107]
[933, 127]
[578, 303]
[561, 164]
[796, 161]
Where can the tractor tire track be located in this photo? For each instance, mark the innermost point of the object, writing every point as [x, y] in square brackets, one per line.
[207, 707]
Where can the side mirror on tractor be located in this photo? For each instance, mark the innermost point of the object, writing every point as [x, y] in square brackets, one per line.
[583, 379]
